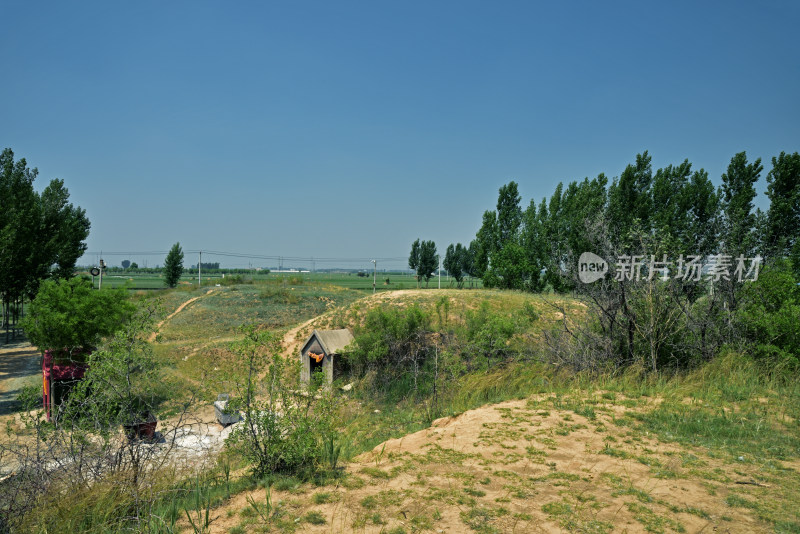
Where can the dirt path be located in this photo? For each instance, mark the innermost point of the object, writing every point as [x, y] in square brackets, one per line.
[176, 312]
[298, 334]
[295, 336]
[19, 366]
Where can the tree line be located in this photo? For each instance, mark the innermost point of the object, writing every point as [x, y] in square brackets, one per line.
[42, 235]
[679, 256]
[531, 248]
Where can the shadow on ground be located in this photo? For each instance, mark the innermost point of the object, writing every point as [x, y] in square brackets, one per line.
[19, 366]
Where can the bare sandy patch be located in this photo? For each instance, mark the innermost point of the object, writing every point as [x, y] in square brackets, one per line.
[520, 466]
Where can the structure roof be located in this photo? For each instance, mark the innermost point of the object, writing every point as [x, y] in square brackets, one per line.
[332, 341]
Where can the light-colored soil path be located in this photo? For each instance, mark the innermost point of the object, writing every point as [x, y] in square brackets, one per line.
[19, 367]
[296, 335]
[176, 312]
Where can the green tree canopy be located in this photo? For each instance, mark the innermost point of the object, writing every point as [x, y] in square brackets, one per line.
[629, 200]
[41, 235]
[173, 266]
[737, 192]
[456, 262]
[413, 258]
[428, 260]
[484, 243]
[703, 205]
[509, 214]
[69, 314]
[783, 217]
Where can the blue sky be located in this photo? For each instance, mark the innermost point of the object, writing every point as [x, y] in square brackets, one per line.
[349, 129]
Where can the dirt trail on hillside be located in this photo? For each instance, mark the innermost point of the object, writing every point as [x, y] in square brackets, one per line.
[176, 312]
[296, 335]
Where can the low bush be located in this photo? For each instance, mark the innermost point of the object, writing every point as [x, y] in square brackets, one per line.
[769, 315]
[393, 343]
[285, 429]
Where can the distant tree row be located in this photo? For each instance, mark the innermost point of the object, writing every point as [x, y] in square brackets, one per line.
[134, 268]
[42, 235]
[207, 266]
[529, 248]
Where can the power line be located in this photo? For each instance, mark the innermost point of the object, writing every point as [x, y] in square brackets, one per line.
[279, 258]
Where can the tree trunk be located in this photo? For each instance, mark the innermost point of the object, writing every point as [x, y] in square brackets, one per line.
[6, 318]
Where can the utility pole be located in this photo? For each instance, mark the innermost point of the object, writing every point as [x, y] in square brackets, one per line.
[102, 268]
[374, 274]
[199, 266]
[440, 271]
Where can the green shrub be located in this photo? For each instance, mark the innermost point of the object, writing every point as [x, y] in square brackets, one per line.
[322, 498]
[394, 343]
[282, 295]
[285, 429]
[70, 314]
[488, 334]
[769, 314]
[314, 517]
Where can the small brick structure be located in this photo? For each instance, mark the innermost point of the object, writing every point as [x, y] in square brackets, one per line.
[320, 352]
[61, 370]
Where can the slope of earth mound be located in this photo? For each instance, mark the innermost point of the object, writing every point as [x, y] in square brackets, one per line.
[544, 464]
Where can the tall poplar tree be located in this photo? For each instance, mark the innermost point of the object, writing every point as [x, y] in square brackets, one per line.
[413, 258]
[737, 192]
[173, 266]
[783, 217]
[428, 260]
[630, 202]
[41, 235]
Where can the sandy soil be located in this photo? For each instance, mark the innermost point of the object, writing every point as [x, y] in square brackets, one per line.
[20, 365]
[519, 466]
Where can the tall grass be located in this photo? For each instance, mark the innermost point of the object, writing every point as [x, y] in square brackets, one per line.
[730, 404]
[108, 506]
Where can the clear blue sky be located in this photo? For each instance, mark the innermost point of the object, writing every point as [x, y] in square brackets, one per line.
[349, 129]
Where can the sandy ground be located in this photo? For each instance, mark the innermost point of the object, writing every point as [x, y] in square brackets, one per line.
[515, 467]
[20, 365]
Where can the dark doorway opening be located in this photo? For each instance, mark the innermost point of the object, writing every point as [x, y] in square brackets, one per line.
[316, 367]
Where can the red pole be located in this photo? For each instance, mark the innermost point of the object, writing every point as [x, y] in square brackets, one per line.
[47, 365]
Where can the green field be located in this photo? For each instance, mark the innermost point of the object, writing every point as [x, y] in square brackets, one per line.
[350, 280]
